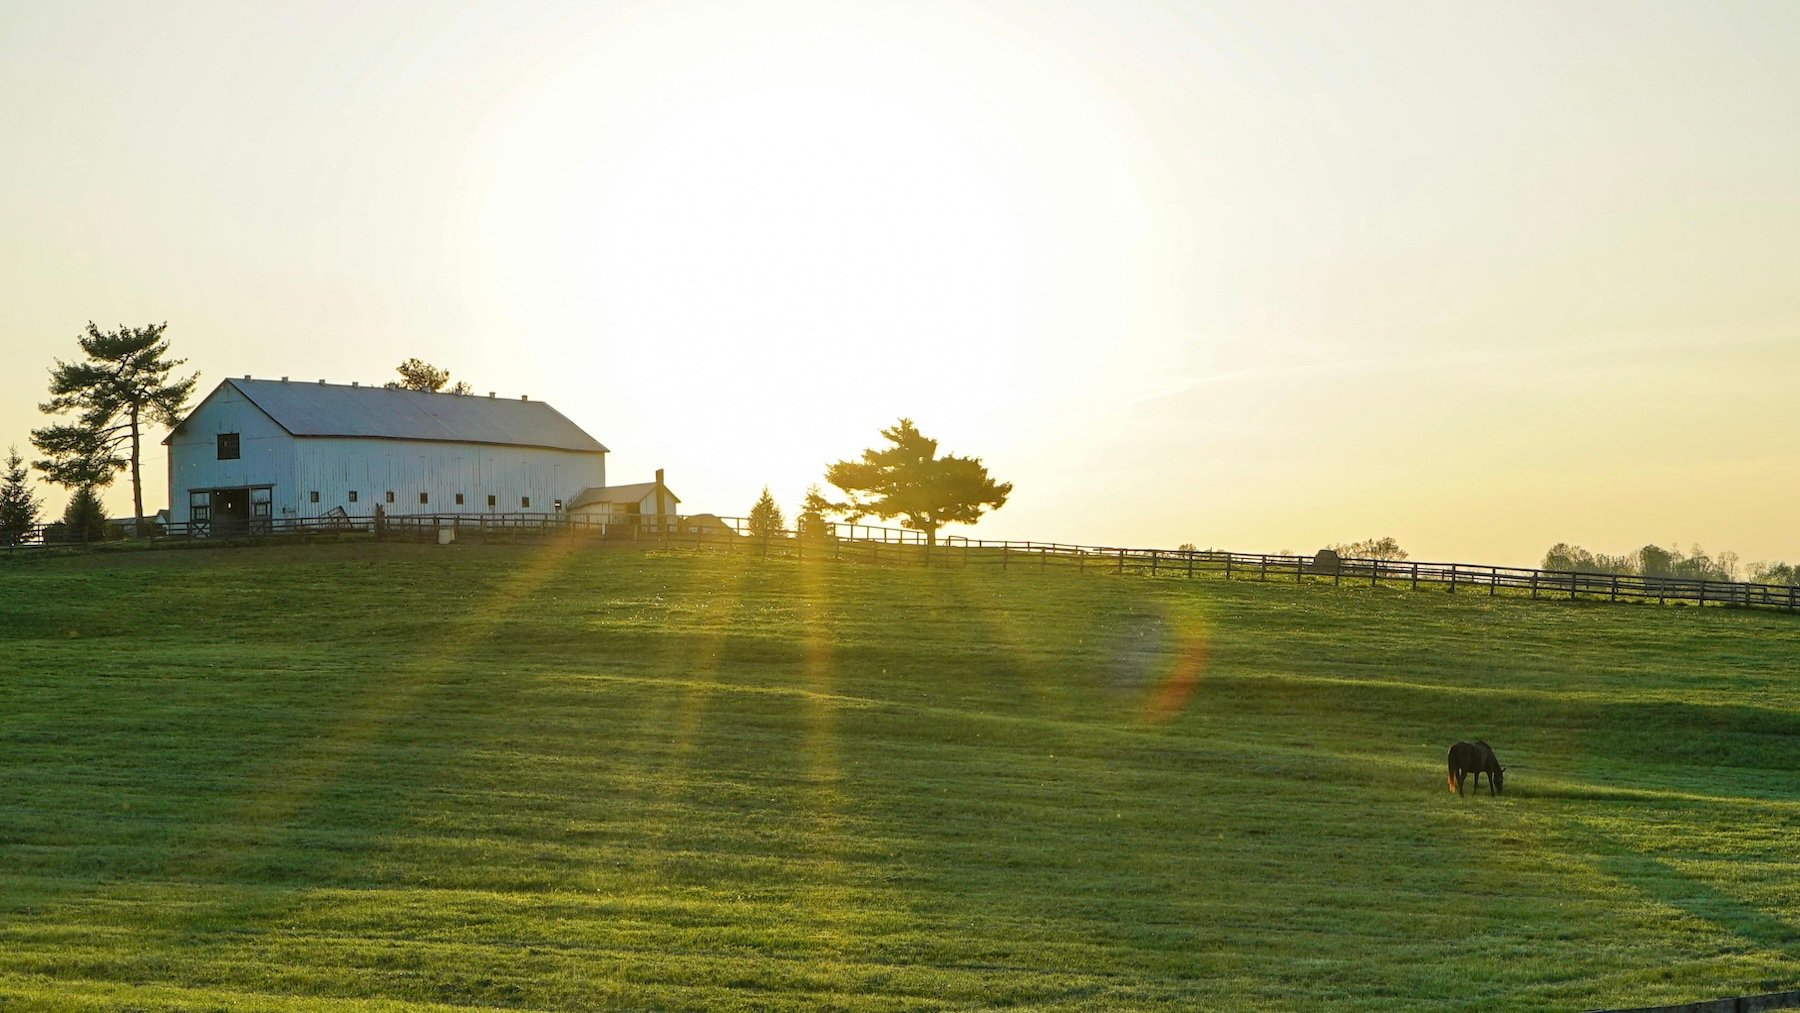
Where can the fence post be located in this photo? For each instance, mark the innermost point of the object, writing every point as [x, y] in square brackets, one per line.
[1298, 570]
[1227, 566]
[1534, 582]
[1452, 578]
[1080, 560]
[1493, 581]
[1262, 567]
[1044, 558]
[1573, 576]
[1702, 592]
[1190, 556]
[1121, 560]
[1790, 597]
[1374, 571]
[1415, 575]
[1152, 562]
[1615, 587]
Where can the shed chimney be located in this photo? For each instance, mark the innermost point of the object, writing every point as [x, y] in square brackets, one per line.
[524, 397]
[284, 379]
[490, 394]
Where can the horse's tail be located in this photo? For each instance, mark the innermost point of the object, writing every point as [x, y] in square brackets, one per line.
[1450, 773]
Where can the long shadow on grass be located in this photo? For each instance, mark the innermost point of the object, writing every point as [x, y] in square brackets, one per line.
[217, 899]
[1665, 884]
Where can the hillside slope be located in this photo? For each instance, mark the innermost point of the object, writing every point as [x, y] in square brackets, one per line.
[379, 778]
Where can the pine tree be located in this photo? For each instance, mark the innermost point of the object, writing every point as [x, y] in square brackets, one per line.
[765, 517]
[125, 381]
[18, 507]
[811, 522]
[910, 481]
[84, 519]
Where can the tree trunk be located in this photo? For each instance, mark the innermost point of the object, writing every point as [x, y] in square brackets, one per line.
[137, 485]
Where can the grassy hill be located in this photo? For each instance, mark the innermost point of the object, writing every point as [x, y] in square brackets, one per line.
[373, 778]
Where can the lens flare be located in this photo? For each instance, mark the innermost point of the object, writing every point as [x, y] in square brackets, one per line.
[1171, 695]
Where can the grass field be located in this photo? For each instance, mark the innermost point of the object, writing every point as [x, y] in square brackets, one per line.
[374, 778]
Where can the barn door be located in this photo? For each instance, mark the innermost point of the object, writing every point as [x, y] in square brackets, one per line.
[259, 510]
[200, 512]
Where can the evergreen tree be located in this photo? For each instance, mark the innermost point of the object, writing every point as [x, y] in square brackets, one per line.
[84, 520]
[125, 381]
[765, 517]
[811, 522]
[18, 507]
[908, 480]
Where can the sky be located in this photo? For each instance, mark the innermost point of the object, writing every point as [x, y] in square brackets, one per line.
[1261, 276]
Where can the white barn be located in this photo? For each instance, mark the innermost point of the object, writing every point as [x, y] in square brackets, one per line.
[260, 450]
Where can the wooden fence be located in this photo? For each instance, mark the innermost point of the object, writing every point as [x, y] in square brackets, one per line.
[1734, 1004]
[900, 546]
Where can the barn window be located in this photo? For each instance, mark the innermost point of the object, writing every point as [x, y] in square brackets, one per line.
[524, 502]
[424, 497]
[228, 446]
[459, 499]
[490, 501]
[315, 496]
[353, 495]
[390, 495]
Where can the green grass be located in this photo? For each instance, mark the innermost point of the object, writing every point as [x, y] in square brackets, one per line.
[381, 778]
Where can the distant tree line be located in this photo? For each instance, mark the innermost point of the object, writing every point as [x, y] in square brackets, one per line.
[1657, 561]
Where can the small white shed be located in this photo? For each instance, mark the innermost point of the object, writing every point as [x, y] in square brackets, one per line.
[646, 506]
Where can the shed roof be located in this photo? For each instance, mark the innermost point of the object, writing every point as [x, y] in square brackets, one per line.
[334, 409]
[633, 493]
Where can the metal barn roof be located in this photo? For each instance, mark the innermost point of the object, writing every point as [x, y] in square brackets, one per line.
[633, 493]
[332, 409]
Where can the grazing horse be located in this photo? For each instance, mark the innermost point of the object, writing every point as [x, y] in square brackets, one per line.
[1477, 758]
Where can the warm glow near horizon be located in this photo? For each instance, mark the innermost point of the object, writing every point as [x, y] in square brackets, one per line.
[1482, 277]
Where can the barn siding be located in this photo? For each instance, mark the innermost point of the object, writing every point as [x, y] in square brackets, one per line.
[334, 466]
[266, 451]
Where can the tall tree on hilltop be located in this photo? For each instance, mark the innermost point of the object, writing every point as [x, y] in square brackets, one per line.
[908, 480]
[125, 381]
[18, 507]
[417, 374]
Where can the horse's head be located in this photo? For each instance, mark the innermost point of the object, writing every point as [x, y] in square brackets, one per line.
[1499, 779]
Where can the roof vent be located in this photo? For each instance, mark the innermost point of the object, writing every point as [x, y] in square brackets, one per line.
[490, 393]
[356, 383]
[321, 379]
[284, 379]
[524, 397]
[246, 376]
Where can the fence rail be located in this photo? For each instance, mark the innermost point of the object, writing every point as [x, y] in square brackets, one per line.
[874, 544]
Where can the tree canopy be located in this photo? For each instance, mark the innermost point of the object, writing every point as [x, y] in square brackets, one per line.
[907, 479]
[125, 380]
[417, 374]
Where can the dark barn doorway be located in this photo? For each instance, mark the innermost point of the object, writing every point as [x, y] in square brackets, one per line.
[231, 511]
